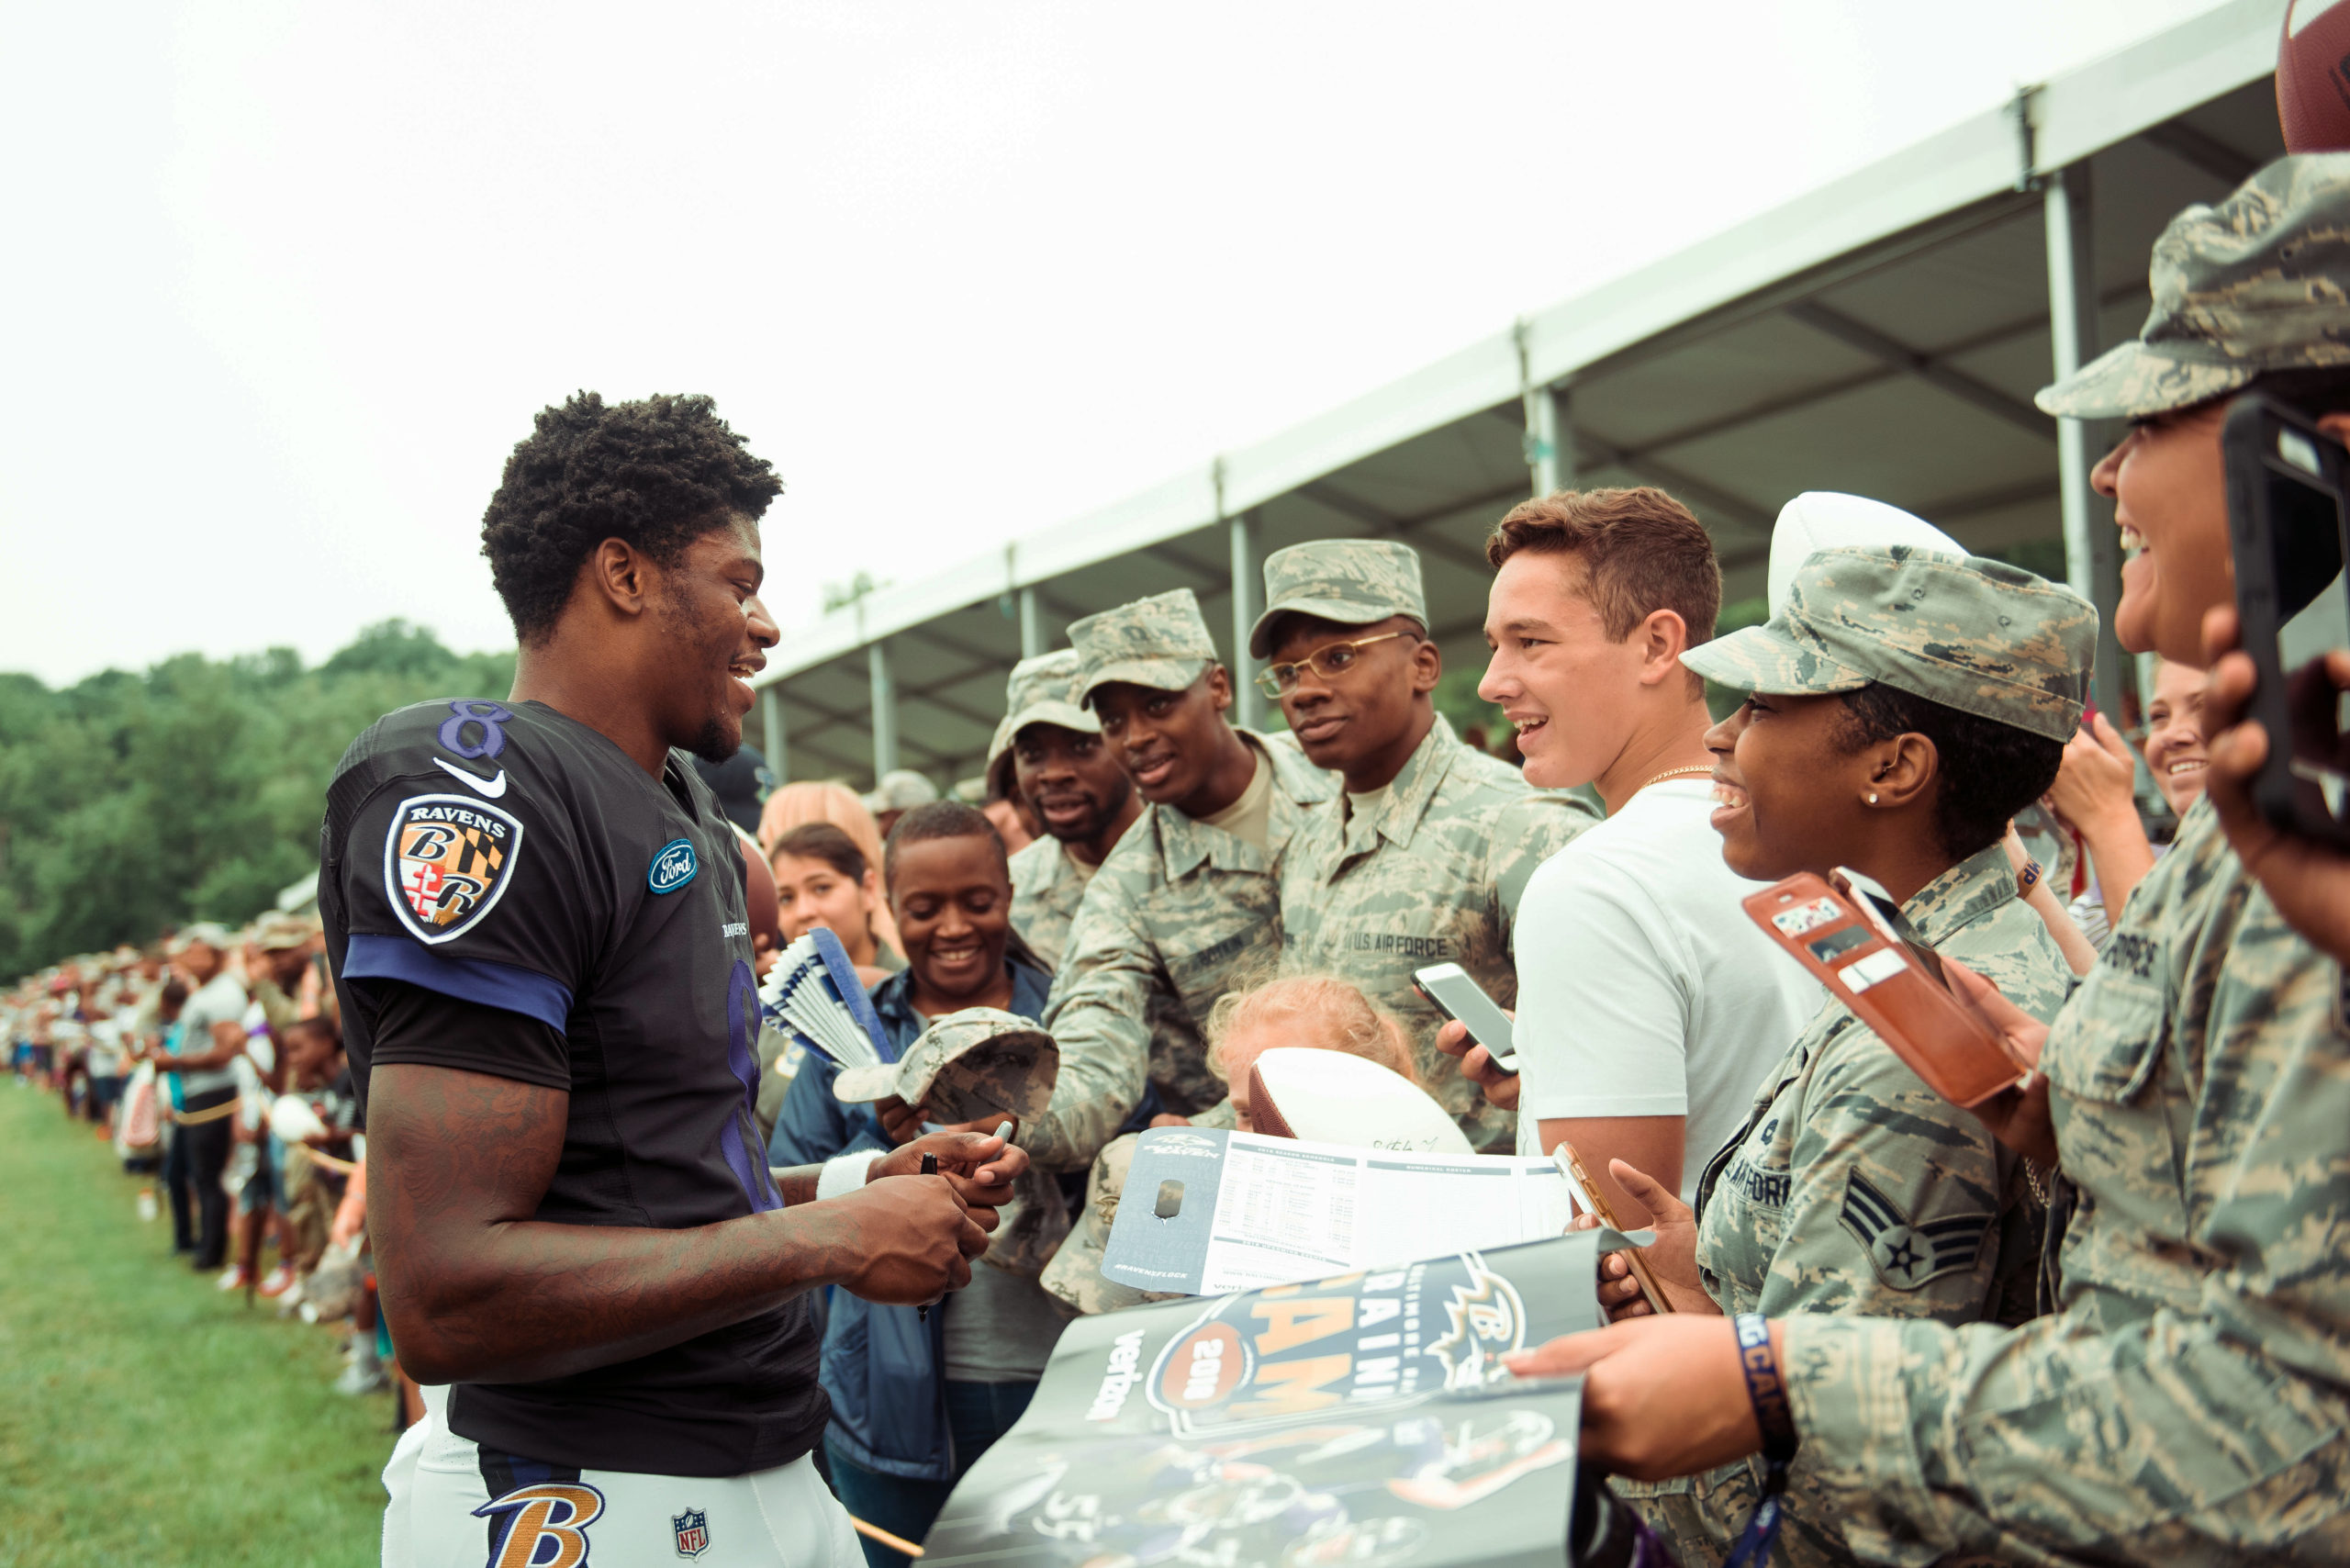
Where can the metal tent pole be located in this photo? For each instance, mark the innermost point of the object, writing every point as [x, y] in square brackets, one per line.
[885, 709]
[1032, 625]
[1248, 598]
[772, 740]
[2092, 552]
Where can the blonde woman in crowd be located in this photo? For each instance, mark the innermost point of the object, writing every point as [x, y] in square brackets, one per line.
[835, 802]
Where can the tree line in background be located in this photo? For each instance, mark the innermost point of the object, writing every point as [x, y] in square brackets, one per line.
[132, 802]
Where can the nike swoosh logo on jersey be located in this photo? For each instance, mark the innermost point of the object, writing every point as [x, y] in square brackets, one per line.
[493, 788]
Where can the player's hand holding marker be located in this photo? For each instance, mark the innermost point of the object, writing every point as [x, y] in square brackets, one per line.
[980, 1167]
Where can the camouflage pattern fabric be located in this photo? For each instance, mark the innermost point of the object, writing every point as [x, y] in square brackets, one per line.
[2250, 285]
[1970, 634]
[968, 1066]
[1177, 912]
[1041, 691]
[1856, 1188]
[1433, 878]
[1047, 884]
[1161, 641]
[2189, 1402]
[1351, 581]
[1074, 1277]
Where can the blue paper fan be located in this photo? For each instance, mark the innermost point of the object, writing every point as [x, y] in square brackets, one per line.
[814, 994]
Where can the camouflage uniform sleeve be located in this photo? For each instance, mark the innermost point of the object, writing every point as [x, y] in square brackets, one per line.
[1528, 832]
[2188, 1404]
[2159, 1441]
[1894, 1202]
[1100, 1016]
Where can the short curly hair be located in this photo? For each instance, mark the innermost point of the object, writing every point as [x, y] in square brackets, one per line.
[656, 473]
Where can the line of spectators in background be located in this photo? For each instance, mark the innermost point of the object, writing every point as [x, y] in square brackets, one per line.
[213, 1062]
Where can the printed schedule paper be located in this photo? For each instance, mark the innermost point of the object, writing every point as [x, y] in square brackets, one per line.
[1209, 1212]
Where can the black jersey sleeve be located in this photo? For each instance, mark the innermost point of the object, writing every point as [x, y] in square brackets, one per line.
[428, 1028]
[481, 898]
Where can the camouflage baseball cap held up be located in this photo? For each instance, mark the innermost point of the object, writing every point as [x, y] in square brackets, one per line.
[967, 1067]
[1161, 641]
[1970, 634]
[1041, 692]
[1351, 581]
[2259, 283]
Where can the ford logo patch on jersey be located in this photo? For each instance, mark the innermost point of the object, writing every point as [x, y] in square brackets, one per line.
[673, 866]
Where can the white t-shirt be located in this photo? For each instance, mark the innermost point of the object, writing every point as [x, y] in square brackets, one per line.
[1643, 990]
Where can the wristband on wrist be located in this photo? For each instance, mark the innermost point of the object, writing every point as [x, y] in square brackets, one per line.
[1765, 1387]
[844, 1173]
[2028, 878]
[1768, 1391]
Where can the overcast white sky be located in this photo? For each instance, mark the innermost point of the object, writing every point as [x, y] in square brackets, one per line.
[283, 283]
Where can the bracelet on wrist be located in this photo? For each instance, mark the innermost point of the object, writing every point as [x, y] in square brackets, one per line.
[1766, 1388]
[2028, 878]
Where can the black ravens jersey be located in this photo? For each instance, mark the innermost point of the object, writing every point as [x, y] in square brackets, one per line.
[480, 855]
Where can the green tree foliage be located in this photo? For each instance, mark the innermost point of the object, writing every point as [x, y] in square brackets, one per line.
[131, 802]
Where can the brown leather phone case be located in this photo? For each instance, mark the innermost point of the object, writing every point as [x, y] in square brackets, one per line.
[1945, 1042]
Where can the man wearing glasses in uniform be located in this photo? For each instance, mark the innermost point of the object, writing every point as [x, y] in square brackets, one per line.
[1422, 858]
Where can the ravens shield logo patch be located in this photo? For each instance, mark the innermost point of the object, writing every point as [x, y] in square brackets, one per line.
[446, 861]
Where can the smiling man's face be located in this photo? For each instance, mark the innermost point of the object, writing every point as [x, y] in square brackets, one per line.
[1167, 742]
[1568, 688]
[717, 633]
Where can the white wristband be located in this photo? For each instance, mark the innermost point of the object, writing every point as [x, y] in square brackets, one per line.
[844, 1173]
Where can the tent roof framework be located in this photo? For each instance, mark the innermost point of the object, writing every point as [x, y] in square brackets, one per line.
[1882, 335]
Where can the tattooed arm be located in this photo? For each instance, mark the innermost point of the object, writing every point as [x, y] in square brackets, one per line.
[479, 1292]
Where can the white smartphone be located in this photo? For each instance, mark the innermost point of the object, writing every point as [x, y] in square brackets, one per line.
[1451, 992]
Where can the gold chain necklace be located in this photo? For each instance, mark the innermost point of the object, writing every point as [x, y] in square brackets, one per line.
[1674, 773]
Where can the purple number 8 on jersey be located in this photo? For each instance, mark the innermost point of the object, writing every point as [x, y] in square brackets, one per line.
[489, 715]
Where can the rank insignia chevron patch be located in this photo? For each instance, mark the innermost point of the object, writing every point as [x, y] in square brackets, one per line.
[447, 859]
[1906, 1256]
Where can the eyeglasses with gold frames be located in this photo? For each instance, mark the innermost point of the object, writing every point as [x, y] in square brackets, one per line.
[1329, 661]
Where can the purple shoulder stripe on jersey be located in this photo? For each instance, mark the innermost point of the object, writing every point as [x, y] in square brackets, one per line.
[485, 980]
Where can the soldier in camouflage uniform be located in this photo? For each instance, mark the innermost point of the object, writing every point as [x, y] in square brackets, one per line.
[1182, 906]
[1853, 1187]
[1421, 859]
[1072, 783]
[2189, 1401]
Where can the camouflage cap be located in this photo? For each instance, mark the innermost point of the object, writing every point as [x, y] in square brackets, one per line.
[2259, 283]
[967, 1067]
[1161, 641]
[1351, 581]
[1039, 692]
[1074, 1277]
[275, 932]
[1977, 635]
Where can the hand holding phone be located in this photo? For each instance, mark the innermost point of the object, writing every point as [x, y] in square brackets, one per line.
[1590, 1201]
[1450, 990]
[2286, 532]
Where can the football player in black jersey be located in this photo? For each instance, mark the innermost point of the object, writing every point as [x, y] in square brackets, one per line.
[536, 915]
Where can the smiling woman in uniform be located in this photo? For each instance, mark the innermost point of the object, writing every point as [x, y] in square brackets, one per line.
[1878, 738]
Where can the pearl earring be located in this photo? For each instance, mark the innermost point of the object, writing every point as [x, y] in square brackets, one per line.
[1871, 797]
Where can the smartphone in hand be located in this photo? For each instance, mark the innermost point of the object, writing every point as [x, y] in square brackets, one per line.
[2285, 531]
[1450, 990]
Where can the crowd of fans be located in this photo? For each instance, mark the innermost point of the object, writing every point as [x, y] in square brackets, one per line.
[1170, 895]
[213, 1063]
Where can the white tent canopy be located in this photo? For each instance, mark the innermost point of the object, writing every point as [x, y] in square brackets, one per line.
[1882, 335]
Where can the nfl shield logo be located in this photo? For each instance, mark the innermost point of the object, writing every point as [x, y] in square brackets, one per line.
[446, 861]
[693, 1532]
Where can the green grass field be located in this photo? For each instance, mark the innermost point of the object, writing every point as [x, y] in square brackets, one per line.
[145, 1417]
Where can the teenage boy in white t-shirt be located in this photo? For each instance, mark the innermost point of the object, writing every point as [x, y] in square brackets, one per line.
[1649, 1004]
